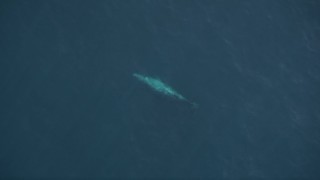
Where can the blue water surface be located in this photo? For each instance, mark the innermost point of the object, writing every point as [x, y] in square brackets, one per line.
[70, 106]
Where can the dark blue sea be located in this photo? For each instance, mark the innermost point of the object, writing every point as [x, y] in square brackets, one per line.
[70, 106]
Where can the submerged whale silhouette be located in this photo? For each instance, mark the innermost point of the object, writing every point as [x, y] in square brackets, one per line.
[161, 87]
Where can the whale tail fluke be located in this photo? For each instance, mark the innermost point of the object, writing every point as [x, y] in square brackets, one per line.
[194, 105]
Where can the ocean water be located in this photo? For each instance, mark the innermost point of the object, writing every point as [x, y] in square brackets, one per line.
[71, 108]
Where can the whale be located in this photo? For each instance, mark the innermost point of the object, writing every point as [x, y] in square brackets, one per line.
[162, 88]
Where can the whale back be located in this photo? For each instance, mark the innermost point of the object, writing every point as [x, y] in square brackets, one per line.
[161, 87]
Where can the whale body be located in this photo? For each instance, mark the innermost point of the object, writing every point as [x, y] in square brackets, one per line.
[161, 87]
